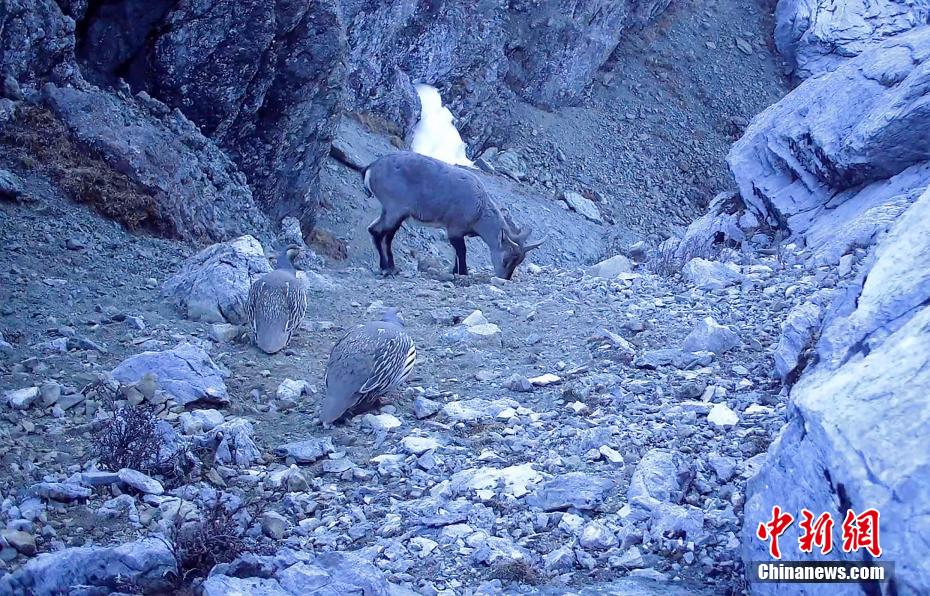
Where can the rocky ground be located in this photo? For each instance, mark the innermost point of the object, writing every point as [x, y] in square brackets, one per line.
[577, 431]
[591, 429]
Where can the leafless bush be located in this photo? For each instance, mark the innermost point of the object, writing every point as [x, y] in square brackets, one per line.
[669, 258]
[129, 439]
[216, 537]
[664, 261]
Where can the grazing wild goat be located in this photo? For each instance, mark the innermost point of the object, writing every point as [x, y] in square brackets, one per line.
[435, 193]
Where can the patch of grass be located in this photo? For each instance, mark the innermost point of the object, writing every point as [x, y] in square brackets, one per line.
[517, 571]
[35, 141]
[327, 244]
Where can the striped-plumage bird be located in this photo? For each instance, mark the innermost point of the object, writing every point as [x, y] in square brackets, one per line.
[367, 363]
[276, 304]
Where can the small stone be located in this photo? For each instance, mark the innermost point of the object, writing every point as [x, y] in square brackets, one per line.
[424, 407]
[721, 415]
[846, 265]
[710, 336]
[291, 390]
[50, 392]
[141, 482]
[198, 421]
[274, 525]
[612, 455]
[99, 478]
[583, 206]
[381, 421]
[308, 451]
[21, 399]
[632, 557]
[418, 445]
[224, 332]
[518, 383]
[546, 379]
[597, 536]
[24, 542]
[475, 318]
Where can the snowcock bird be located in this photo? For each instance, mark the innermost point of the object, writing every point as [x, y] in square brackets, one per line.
[366, 364]
[276, 305]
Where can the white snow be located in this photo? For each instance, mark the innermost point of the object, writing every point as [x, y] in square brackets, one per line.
[434, 134]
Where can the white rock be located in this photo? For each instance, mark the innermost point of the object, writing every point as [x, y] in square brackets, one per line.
[475, 318]
[141, 482]
[571, 523]
[711, 275]
[21, 399]
[292, 390]
[198, 421]
[516, 479]
[546, 379]
[583, 206]
[597, 536]
[423, 546]
[710, 336]
[722, 415]
[381, 421]
[612, 455]
[417, 445]
[612, 267]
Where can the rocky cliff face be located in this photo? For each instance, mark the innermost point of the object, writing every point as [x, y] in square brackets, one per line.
[844, 154]
[817, 36]
[842, 164]
[481, 54]
[266, 81]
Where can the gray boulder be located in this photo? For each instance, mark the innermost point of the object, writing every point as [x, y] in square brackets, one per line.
[147, 564]
[298, 573]
[185, 372]
[844, 154]
[308, 451]
[710, 336]
[196, 191]
[36, 42]
[575, 489]
[655, 479]
[797, 334]
[856, 437]
[711, 275]
[269, 97]
[721, 224]
[213, 285]
[816, 36]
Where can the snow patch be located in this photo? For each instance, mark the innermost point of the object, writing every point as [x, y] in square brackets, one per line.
[435, 135]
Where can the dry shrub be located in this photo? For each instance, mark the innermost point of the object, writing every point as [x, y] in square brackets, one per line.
[200, 544]
[517, 571]
[327, 244]
[130, 438]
